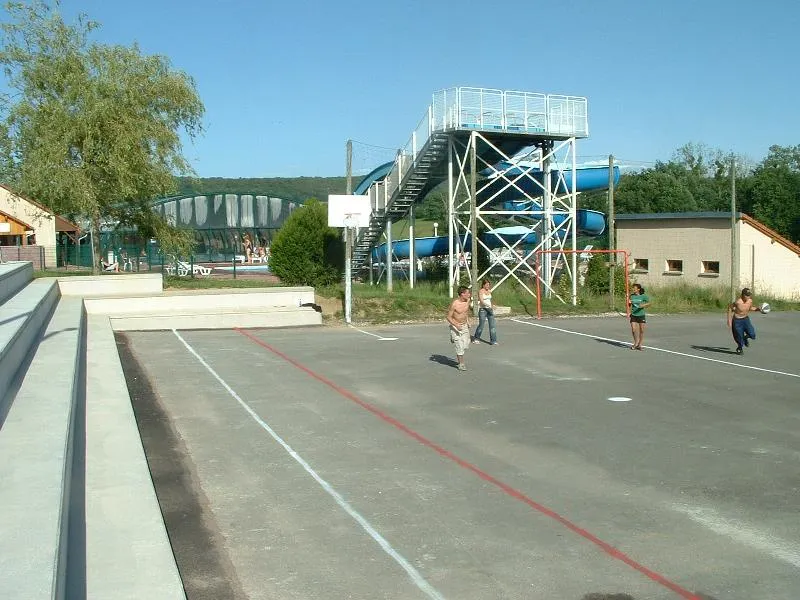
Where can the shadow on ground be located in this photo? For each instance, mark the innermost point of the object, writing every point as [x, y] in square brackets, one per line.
[613, 343]
[602, 596]
[717, 349]
[444, 360]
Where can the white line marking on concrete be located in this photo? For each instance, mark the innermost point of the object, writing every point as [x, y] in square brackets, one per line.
[415, 576]
[619, 399]
[380, 337]
[741, 532]
[716, 360]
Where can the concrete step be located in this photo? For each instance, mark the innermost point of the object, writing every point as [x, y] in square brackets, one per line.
[37, 443]
[22, 317]
[13, 277]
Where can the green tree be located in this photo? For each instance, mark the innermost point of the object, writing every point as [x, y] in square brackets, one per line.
[305, 250]
[772, 194]
[94, 130]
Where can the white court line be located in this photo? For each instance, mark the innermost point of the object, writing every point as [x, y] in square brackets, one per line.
[746, 534]
[716, 360]
[415, 576]
[380, 337]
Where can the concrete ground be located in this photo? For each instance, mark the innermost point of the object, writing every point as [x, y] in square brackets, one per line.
[360, 463]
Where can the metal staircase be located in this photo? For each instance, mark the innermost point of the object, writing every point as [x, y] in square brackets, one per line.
[416, 182]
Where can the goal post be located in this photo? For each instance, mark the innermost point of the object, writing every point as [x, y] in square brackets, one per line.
[619, 254]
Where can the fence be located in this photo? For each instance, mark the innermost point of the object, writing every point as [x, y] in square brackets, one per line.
[34, 254]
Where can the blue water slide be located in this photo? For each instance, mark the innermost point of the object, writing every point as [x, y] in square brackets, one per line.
[586, 179]
[439, 246]
[588, 222]
[376, 174]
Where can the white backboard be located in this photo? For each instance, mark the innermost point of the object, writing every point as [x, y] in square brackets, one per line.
[348, 210]
[5, 227]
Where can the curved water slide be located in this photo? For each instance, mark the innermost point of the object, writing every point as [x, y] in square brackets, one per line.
[505, 196]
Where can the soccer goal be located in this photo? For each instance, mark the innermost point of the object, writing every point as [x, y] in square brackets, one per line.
[581, 265]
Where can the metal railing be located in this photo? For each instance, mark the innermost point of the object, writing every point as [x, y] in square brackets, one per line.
[469, 108]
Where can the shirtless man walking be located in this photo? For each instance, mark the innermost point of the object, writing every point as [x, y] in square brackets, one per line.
[739, 320]
[458, 318]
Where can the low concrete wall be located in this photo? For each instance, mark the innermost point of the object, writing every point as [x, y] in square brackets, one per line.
[14, 277]
[205, 303]
[275, 317]
[94, 286]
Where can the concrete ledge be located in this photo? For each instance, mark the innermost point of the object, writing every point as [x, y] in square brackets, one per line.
[14, 277]
[36, 442]
[276, 317]
[94, 286]
[128, 553]
[221, 301]
[21, 320]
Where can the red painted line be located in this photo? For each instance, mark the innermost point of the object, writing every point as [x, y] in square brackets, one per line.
[604, 546]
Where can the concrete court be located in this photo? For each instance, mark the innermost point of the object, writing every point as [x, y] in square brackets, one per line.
[516, 479]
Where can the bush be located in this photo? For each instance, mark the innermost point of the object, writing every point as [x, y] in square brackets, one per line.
[305, 250]
[597, 275]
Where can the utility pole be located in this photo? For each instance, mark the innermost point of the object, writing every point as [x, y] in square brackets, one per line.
[348, 242]
[612, 242]
[734, 246]
[473, 206]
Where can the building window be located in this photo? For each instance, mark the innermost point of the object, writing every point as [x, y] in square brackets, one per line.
[674, 267]
[641, 265]
[710, 268]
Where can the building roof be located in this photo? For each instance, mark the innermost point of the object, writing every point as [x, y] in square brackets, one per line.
[62, 224]
[682, 215]
[773, 235]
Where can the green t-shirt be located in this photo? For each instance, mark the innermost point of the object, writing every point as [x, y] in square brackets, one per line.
[636, 301]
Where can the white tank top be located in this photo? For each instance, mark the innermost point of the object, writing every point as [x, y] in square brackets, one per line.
[486, 302]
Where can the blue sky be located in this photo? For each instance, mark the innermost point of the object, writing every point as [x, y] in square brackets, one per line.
[285, 84]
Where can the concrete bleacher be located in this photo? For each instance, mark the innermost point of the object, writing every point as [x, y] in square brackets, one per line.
[78, 512]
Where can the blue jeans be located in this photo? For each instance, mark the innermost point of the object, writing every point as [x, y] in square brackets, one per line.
[484, 314]
[740, 328]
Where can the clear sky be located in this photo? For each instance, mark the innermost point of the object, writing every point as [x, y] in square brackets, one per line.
[286, 83]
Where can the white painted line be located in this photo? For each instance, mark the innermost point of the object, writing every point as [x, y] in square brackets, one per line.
[715, 360]
[415, 576]
[619, 399]
[776, 547]
[380, 337]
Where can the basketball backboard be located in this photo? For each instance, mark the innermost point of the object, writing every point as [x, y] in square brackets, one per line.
[344, 211]
[5, 227]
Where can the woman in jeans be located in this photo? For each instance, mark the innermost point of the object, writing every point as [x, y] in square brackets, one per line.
[485, 313]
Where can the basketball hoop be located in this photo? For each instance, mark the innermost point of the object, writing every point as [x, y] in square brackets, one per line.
[351, 220]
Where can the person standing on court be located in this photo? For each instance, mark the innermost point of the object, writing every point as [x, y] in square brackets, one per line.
[486, 313]
[739, 320]
[458, 319]
[638, 301]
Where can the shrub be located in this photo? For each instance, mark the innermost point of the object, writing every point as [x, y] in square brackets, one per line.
[305, 250]
[597, 275]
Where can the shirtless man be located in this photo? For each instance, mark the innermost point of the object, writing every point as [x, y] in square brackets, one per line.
[458, 318]
[739, 320]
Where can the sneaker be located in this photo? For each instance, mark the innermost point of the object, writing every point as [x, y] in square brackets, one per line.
[739, 351]
[476, 341]
[462, 367]
[746, 341]
[493, 344]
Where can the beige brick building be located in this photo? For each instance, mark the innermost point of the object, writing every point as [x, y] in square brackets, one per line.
[695, 248]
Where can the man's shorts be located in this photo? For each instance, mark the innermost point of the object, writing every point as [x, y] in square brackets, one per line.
[641, 319]
[460, 337]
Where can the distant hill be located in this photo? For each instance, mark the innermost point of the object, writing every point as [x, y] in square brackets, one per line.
[297, 189]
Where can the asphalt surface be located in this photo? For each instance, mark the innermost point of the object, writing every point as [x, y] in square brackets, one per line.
[332, 463]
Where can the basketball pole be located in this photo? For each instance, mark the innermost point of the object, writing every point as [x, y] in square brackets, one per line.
[348, 269]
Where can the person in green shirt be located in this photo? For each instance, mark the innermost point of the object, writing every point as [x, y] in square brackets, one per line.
[638, 301]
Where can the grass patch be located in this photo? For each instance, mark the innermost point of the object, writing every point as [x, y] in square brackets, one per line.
[62, 273]
[429, 302]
